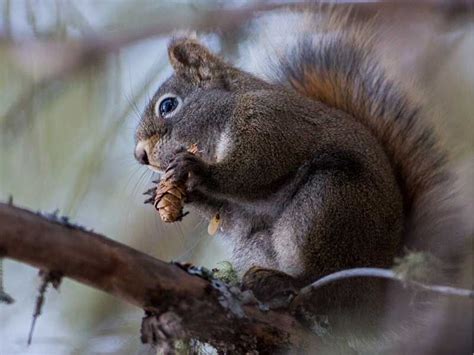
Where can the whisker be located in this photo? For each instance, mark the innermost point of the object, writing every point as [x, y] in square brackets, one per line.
[186, 255]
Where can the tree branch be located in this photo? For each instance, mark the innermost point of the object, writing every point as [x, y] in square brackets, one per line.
[208, 309]
[205, 308]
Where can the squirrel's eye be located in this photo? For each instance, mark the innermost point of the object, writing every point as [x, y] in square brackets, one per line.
[167, 105]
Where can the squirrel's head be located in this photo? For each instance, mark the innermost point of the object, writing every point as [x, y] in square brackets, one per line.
[193, 106]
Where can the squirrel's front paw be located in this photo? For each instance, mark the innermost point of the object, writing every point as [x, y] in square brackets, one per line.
[188, 168]
[273, 287]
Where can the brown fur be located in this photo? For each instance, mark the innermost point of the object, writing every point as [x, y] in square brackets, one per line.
[395, 117]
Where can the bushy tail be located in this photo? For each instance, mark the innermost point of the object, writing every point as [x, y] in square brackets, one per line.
[331, 59]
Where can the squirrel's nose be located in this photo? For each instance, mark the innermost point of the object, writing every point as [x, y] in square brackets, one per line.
[141, 153]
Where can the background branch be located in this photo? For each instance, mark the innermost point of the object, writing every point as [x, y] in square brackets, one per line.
[66, 57]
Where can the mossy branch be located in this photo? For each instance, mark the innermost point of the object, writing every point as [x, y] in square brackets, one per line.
[207, 309]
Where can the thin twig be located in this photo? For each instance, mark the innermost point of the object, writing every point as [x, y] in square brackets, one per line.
[4, 297]
[47, 277]
[385, 274]
[38, 306]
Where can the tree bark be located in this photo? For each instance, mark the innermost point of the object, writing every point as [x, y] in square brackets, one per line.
[206, 309]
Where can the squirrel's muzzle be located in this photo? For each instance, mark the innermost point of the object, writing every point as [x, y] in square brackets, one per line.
[144, 153]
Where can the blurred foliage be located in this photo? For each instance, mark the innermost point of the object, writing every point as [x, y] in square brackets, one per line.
[67, 143]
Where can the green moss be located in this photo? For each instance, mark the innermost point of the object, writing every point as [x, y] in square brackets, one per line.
[226, 273]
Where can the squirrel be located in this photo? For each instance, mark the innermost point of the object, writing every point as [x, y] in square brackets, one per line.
[328, 163]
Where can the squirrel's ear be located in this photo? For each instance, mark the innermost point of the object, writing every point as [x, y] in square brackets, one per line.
[194, 61]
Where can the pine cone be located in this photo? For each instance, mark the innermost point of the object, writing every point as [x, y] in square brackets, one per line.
[169, 198]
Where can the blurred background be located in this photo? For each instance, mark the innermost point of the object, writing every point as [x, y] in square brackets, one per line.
[68, 113]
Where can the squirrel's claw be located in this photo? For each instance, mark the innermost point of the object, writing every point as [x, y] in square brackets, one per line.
[150, 200]
[150, 192]
[186, 167]
[152, 195]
